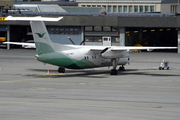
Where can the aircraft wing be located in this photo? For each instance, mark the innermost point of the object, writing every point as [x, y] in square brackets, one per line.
[31, 45]
[118, 52]
[115, 48]
[140, 48]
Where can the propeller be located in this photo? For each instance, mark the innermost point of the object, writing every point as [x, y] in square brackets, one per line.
[74, 43]
[71, 40]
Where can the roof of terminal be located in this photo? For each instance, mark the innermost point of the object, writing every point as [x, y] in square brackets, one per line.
[58, 9]
[133, 1]
[62, 3]
[84, 9]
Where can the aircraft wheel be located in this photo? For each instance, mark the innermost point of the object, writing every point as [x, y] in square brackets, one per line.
[122, 68]
[61, 70]
[114, 72]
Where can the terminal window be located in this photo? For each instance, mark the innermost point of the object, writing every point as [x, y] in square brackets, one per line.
[120, 9]
[135, 8]
[97, 28]
[93, 38]
[109, 8]
[64, 30]
[114, 8]
[140, 8]
[130, 9]
[125, 9]
[146, 8]
[152, 8]
[104, 6]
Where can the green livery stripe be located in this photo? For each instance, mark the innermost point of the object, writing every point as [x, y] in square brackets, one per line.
[59, 59]
[43, 48]
[64, 61]
[47, 54]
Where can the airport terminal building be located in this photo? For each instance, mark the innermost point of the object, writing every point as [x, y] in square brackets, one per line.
[99, 25]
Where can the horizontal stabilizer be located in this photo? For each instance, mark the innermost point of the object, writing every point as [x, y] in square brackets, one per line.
[38, 18]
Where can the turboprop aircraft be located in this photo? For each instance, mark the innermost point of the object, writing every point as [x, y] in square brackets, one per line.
[76, 56]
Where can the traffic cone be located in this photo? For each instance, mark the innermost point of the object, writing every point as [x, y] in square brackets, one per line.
[48, 72]
[1, 68]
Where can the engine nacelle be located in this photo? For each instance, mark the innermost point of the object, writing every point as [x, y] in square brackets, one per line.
[110, 54]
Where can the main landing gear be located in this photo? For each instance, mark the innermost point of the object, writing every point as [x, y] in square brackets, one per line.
[121, 68]
[61, 70]
[114, 71]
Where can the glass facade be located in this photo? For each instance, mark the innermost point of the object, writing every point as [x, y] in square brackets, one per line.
[104, 6]
[64, 30]
[109, 8]
[146, 8]
[130, 9]
[120, 9]
[114, 8]
[125, 9]
[151, 8]
[140, 8]
[135, 8]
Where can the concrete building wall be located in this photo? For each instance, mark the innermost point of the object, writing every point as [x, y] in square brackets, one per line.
[7, 3]
[165, 8]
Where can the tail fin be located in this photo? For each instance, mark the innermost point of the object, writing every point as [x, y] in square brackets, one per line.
[40, 33]
[41, 37]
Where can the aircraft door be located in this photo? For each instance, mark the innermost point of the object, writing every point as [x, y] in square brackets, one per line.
[106, 41]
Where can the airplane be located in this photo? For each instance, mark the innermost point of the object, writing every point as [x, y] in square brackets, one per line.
[76, 56]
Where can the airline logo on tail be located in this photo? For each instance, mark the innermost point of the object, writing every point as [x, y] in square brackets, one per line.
[40, 35]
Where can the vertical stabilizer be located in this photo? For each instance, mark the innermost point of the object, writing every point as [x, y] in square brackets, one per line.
[41, 37]
[40, 34]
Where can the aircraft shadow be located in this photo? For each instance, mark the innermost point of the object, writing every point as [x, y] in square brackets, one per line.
[147, 73]
[42, 73]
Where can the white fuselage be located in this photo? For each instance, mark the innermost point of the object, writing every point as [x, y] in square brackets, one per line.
[96, 58]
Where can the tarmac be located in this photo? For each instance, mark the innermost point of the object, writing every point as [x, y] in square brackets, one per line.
[142, 92]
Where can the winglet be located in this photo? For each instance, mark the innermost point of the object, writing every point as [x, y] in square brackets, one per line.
[38, 18]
